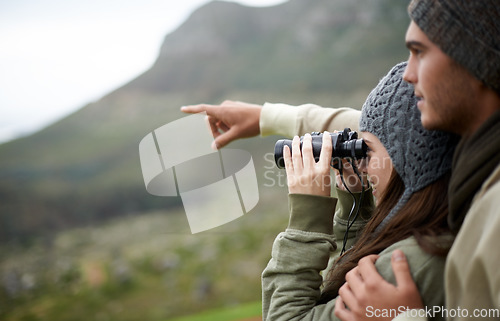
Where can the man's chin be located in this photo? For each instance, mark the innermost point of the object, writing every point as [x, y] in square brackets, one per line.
[430, 123]
[438, 124]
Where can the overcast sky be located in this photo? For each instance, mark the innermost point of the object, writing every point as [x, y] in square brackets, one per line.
[58, 55]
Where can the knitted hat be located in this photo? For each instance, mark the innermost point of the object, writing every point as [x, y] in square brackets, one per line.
[468, 31]
[418, 155]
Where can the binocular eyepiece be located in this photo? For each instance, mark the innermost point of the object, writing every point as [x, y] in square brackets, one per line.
[345, 145]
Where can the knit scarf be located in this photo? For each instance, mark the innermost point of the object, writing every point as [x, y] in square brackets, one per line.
[474, 160]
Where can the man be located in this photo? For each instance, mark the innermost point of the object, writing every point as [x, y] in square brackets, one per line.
[454, 66]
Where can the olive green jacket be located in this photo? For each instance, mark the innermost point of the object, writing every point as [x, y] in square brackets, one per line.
[291, 282]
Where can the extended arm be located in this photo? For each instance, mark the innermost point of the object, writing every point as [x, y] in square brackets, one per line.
[288, 121]
[233, 120]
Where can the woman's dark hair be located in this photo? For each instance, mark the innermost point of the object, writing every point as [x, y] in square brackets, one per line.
[424, 216]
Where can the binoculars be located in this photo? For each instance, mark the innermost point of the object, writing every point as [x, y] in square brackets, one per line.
[345, 144]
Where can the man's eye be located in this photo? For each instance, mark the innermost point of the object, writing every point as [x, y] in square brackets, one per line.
[416, 52]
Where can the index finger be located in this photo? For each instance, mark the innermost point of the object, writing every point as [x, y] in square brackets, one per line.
[354, 279]
[307, 152]
[194, 109]
[326, 149]
[297, 154]
[367, 268]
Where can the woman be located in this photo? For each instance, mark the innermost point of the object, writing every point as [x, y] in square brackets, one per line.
[408, 168]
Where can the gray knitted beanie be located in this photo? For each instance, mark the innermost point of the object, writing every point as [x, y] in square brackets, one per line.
[468, 31]
[418, 155]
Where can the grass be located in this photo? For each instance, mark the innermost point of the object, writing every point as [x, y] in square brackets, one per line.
[144, 267]
[248, 310]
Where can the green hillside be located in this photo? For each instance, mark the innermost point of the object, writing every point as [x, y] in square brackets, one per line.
[85, 168]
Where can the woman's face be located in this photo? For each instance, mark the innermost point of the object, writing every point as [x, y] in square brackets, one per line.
[377, 164]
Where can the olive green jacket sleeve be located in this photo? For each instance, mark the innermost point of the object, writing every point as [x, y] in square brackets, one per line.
[288, 121]
[310, 223]
[291, 282]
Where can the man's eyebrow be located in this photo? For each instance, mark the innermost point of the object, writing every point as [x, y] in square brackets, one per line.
[414, 44]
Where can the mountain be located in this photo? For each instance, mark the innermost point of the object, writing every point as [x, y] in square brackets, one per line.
[85, 168]
[300, 45]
